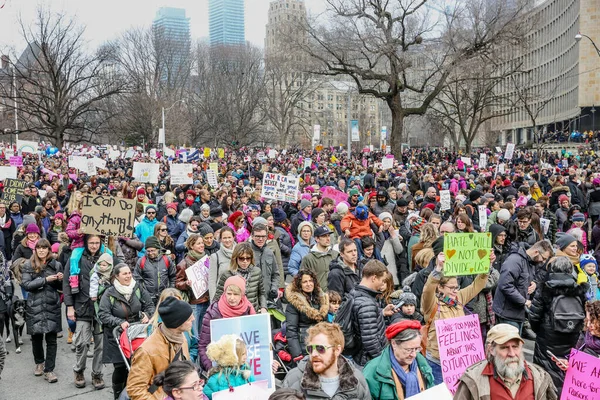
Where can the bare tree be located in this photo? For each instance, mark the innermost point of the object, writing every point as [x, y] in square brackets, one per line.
[396, 50]
[59, 87]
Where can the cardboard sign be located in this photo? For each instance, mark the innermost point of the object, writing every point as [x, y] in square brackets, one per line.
[108, 216]
[250, 391]
[387, 162]
[206, 152]
[182, 174]
[467, 253]
[198, 274]
[13, 190]
[8, 172]
[221, 153]
[280, 187]
[16, 161]
[439, 392]
[445, 200]
[336, 195]
[482, 216]
[460, 344]
[27, 146]
[510, 150]
[482, 160]
[211, 177]
[145, 172]
[582, 380]
[255, 331]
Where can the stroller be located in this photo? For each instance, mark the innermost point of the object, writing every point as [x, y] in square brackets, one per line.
[130, 339]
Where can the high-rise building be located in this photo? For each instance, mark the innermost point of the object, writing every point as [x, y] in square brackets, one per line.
[172, 34]
[281, 33]
[226, 22]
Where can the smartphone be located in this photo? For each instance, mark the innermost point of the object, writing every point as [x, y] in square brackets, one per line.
[552, 355]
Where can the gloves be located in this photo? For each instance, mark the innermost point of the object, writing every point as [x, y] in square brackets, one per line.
[273, 294]
[284, 356]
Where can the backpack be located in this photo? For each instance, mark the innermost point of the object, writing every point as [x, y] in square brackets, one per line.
[143, 261]
[566, 314]
[345, 318]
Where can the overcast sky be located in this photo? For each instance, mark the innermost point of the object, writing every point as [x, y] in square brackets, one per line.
[105, 19]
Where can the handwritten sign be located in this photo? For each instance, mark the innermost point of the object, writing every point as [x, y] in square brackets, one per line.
[108, 216]
[510, 150]
[582, 380]
[16, 161]
[13, 190]
[460, 345]
[466, 160]
[221, 153]
[483, 160]
[211, 177]
[198, 274]
[482, 216]
[145, 172]
[255, 331]
[8, 172]
[387, 162]
[445, 200]
[336, 195]
[280, 187]
[545, 222]
[27, 146]
[182, 174]
[467, 253]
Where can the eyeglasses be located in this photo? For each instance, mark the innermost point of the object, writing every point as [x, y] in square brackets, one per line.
[260, 236]
[410, 350]
[196, 387]
[523, 222]
[321, 349]
[453, 288]
[163, 229]
[244, 258]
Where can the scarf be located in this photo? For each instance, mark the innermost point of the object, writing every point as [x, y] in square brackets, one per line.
[409, 380]
[126, 291]
[31, 244]
[174, 338]
[447, 300]
[228, 252]
[104, 272]
[228, 311]
[289, 232]
[244, 273]
[491, 315]
[195, 255]
[592, 342]
[189, 202]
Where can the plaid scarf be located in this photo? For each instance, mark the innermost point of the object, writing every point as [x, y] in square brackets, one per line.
[491, 316]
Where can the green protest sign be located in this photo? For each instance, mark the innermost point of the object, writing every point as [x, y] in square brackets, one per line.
[467, 253]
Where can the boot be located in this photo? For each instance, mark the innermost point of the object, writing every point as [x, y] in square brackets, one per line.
[39, 369]
[97, 381]
[117, 389]
[70, 338]
[526, 332]
[79, 379]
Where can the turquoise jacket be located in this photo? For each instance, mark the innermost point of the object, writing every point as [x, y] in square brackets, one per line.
[378, 374]
[228, 377]
[143, 231]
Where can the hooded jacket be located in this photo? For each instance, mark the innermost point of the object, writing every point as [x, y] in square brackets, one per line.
[359, 229]
[299, 251]
[265, 260]
[370, 324]
[341, 278]
[318, 262]
[144, 230]
[156, 275]
[300, 314]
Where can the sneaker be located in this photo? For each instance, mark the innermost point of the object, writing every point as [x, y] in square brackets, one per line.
[70, 338]
[39, 369]
[50, 377]
[59, 335]
[79, 379]
[8, 339]
[97, 381]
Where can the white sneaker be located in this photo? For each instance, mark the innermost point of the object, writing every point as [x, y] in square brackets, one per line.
[8, 339]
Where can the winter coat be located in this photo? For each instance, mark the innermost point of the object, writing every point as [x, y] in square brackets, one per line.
[296, 221]
[143, 231]
[300, 314]
[130, 248]
[241, 235]
[156, 275]
[173, 226]
[305, 380]
[370, 324]
[318, 263]
[430, 301]
[72, 227]
[255, 291]
[392, 247]
[285, 242]
[225, 379]
[341, 278]
[539, 316]
[151, 358]
[551, 235]
[474, 385]
[43, 310]
[181, 280]
[113, 310]
[299, 251]
[516, 274]
[593, 201]
[265, 260]
[52, 236]
[555, 194]
[379, 377]
[80, 301]
[22, 251]
[219, 263]
[212, 313]
[273, 245]
[359, 229]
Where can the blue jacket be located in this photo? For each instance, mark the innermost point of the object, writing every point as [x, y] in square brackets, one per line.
[299, 251]
[174, 226]
[143, 231]
[224, 379]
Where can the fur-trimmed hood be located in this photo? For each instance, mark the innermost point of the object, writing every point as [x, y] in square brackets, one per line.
[301, 303]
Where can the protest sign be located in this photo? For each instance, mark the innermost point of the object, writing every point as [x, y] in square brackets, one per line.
[16, 161]
[280, 187]
[307, 163]
[168, 152]
[482, 160]
[501, 168]
[545, 222]
[439, 392]
[387, 162]
[258, 390]
[272, 153]
[206, 152]
[13, 190]
[182, 174]
[460, 345]
[107, 215]
[255, 331]
[214, 166]
[466, 160]
[27, 146]
[565, 163]
[197, 273]
[211, 177]
[510, 150]
[467, 253]
[8, 172]
[582, 380]
[221, 153]
[445, 200]
[145, 172]
[482, 216]
[336, 195]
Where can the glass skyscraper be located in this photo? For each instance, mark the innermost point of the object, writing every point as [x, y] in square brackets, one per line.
[226, 22]
[171, 30]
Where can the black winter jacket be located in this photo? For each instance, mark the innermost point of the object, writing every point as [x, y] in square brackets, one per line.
[301, 314]
[80, 301]
[539, 316]
[156, 275]
[43, 312]
[341, 278]
[370, 324]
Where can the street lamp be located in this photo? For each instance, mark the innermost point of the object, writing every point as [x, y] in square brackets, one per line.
[579, 36]
[161, 135]
[593, 111]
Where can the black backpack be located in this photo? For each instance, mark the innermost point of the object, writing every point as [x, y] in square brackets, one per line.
[566, 314]
[346, 319]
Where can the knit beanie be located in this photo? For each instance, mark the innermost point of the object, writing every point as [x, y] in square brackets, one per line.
[32, 228]
[141, 191]
[563, 197]
[185, 215]
[503, 214]
[562, 241]
[385, 215]
[578, 217]
[438, 246]
[174, 312]
[204, 207]
[587, 259]
[235, 280]
[342, 208]
[216, 212]
[259, 220]
[407, 297]
[417, 223]
[353, 192]
[279, 215]
[267, 215]
[28, 220]
[306, 223]
[152, 243]
[172, 205]
[474, 195]
[151, 207]
[361, 212]
[190, 192]
[305, 203]
[233, 217]
[205, 229]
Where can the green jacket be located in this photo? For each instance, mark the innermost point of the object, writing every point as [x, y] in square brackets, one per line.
[378, 374]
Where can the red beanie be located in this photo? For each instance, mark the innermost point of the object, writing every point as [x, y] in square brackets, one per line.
[235, 216]
[431, 206]
[172, 205]
[190, 193]
[506, 182]
[393, 330]
[563, 197]
[141, 191]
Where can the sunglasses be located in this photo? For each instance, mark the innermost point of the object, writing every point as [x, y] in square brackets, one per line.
[318, 347]
[244, 258]
[150, 212]
[163, 229]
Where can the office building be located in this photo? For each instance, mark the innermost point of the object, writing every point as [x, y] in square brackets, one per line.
[226, 22]
[171, 30]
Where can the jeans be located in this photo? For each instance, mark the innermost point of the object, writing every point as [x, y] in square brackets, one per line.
[72, 325]
[199, 311]
[37, 345]
[84, 332]
[24, 293]
[517, 324]
[436, 370]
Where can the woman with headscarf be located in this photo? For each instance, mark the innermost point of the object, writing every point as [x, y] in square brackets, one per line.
[498, 244]
[232, 303]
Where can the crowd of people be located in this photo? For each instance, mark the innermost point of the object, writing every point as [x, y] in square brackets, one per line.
[359, 281]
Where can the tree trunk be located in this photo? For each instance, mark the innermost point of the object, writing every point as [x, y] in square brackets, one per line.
[396, 134]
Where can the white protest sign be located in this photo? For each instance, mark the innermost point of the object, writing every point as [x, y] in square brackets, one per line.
[198, 275]
[280, 187]
[211, 177]
[482, 160]
[272, 153]
[99, 163]
[439, 392]
[153, 153]
[545, 222]
[482, 216]
[387, 162]
[182, 174]
[445, 200]
[114, 154]
[501, 168]
[498, 150]
[168, 152]
[8, 172]
[565, 163]
[8, 153]
[466, 160]
[510, 150]
[27, 146]
[307, 163]
[145, 172]
[250, 391]
[130, 154]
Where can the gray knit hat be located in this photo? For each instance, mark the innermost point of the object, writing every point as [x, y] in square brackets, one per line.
[407, 298]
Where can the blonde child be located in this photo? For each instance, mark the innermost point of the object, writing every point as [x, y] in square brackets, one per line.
[588, 264]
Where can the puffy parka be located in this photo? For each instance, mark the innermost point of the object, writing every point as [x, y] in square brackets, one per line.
[43, 312]
[255, 291]
[341, 278]
[371, 324]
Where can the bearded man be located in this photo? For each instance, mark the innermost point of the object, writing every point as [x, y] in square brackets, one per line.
[505, 374]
